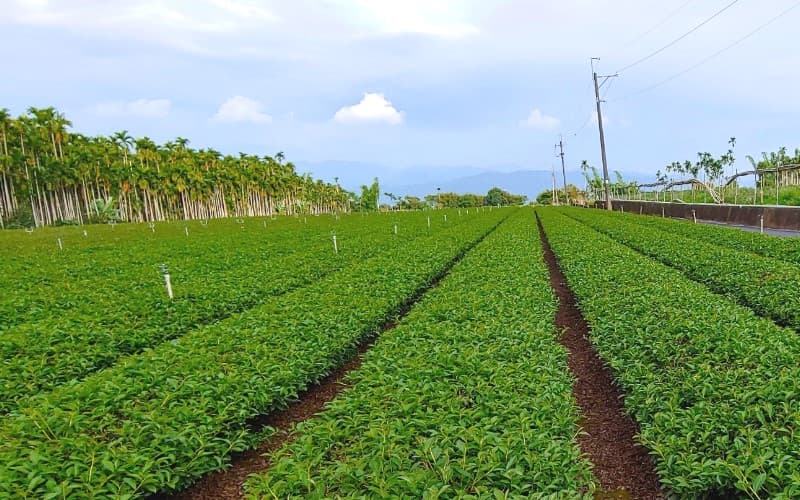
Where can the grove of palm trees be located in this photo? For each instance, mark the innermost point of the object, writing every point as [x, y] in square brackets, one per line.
[52, 175]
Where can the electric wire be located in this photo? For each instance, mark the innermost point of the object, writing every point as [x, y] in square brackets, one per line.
[593, 113]
[659, 24]
[712, 56]
[586, 122]
[673, 42]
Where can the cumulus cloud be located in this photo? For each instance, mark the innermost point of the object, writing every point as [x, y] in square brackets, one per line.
[538, 120]
[197, 26]
[443, 18]
[373, 108]
[611, 120]
[148, 108]
[242, 109]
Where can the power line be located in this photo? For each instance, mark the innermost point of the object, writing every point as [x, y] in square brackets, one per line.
[659, 24]
[592, 113]
[673, 42]
[610, 83]
[712, 56]
[586, 122]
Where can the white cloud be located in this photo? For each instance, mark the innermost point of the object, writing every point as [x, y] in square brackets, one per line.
[372, 108]
[190, 25]
[538, 120]
[442, 18]
[242, 109]
[148, 108]
[610, 119]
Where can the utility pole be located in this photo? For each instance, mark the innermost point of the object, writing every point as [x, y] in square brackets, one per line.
[563, 168]
[555, 193]
[600, 126]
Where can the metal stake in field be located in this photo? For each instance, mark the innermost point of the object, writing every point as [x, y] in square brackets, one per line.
[335, 246]
[429, 222]
[694, 216]
[395, 229]
[761, 218]
[167, 280]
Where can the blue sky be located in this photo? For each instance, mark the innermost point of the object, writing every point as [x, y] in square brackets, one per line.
[405, 83]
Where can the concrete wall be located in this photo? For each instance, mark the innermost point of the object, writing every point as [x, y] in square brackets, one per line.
[748, 215]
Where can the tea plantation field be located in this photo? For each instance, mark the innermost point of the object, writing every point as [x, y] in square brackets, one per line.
[109, 388]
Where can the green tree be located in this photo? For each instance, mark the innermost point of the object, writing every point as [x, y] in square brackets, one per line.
[56, 176]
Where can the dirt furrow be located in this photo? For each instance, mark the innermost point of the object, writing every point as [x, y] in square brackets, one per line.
[621, 464]
[229, 483]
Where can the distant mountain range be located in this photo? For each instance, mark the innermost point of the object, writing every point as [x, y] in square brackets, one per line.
[422, 180]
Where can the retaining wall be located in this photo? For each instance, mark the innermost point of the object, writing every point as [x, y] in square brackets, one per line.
[748, 215]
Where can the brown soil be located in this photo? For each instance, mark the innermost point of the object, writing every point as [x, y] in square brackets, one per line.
[229, 484]
[622, 466]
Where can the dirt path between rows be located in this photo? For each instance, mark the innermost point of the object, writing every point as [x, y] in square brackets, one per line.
[229, 484]
[622, 466]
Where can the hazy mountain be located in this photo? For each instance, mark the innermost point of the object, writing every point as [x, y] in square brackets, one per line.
[527, 182]
[352, 175]
[422, 180]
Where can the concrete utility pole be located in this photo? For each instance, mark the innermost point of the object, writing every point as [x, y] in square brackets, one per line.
[555, 193]
[600, 126]
[563, 168]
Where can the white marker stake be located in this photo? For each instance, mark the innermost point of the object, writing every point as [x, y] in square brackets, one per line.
[395, 229]
[694, 216]
[167, 280]
[335, 246]
[429, 221]
[186, 230]
[445, 217]
[762, 223]
[60, 246]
